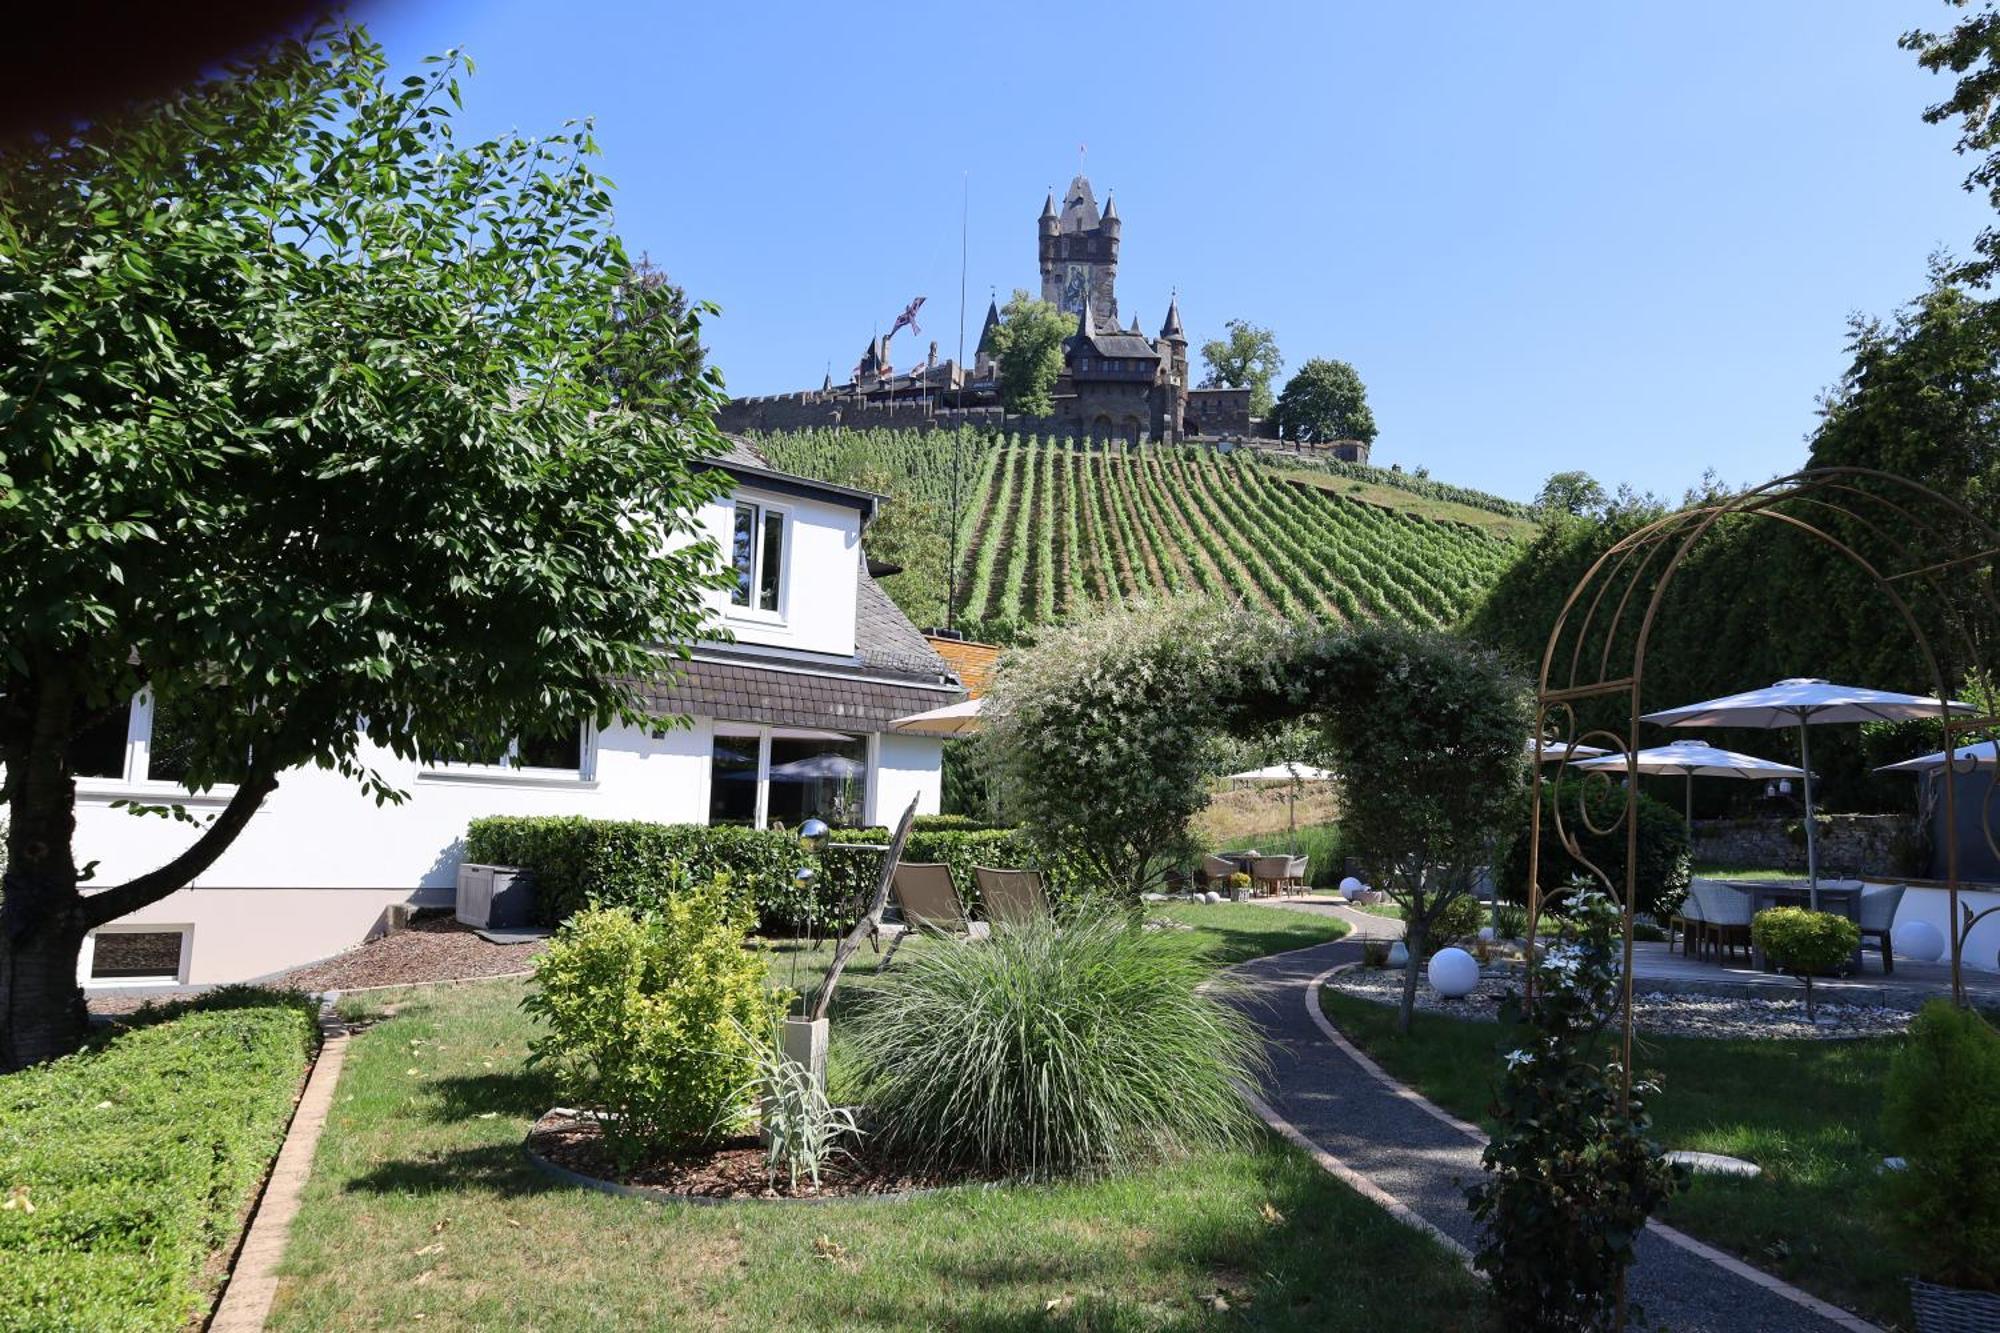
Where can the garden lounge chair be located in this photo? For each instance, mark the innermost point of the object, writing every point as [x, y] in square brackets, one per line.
[1270, 874]
[1725, 915]
[1215, 871]
[1688, 921]
[1011, 897]
[928, 900]
[1878, 915]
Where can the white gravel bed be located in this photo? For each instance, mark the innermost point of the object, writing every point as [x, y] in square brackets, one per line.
[1652, 1011]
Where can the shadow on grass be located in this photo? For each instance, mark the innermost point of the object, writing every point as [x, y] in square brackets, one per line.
[496, 1169]
[523, 1092]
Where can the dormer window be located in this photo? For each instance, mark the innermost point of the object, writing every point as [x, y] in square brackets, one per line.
[757, 550]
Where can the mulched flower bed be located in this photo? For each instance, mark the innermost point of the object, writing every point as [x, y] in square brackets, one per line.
[732, 1170]
[432, 949]
[1679, 1015]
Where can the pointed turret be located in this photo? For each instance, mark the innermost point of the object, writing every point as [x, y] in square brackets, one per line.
[1050, 222]
[1135, 326]
[1171, 330]
[826, 385]
[1086, 323]
[1110, 221]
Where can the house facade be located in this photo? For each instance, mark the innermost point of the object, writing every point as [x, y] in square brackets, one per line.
[784, 717]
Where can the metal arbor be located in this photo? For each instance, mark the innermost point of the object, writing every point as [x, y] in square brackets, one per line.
[1934, 564]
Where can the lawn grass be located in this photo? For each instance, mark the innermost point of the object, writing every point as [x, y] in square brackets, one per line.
[421, 1212]
[1808, 1112]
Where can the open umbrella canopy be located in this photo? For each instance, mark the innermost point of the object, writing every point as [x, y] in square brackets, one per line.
[960, 719]
[1695, 759]
[1553, 751]
[1286, 772]
[1986, 754]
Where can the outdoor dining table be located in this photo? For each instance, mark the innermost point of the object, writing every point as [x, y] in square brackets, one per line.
[1842, 898]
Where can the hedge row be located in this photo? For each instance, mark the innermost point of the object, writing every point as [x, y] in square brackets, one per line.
[629, 862]
[127, 1165]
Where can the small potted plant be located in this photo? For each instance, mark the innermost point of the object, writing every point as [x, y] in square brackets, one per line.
[1239, 887]
[1941, 1111]
[1805, 943]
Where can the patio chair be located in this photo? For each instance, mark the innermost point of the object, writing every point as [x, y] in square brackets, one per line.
[1215, 870]
[928, 900]
[1688, 921]
[1011, 897]
[1268, 874]
[1725, 915]
[1878, 916]
[1295, 874]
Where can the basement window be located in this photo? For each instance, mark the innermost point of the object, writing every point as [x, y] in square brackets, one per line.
[146, 955]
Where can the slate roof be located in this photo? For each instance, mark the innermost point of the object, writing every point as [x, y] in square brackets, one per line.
[741, 453]
[888, 644]
[744, 692]
[1131, 346]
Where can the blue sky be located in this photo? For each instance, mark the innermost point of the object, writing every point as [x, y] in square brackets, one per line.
[1624, 238]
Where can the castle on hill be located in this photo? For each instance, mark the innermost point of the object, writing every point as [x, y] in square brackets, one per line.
[1117, 383]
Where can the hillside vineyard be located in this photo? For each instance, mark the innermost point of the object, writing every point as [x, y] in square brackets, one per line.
[1048, 529]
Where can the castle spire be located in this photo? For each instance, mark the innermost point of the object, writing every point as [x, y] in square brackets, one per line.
[1086, 324]
[1110, 207]
[1049, 204]
[985, 347]
[1171, 330]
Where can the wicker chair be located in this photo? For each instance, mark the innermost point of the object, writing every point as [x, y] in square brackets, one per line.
[1268, 874]
[1688, 921]
[1878, 917]
[1725, 916]
[1216, 871]
[1296, 880]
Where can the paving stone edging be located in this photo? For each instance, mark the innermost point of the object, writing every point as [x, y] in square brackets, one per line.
[253, 1279]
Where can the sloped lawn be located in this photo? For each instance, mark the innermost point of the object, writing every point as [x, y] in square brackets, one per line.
[1808, 1112]
[421, 1213]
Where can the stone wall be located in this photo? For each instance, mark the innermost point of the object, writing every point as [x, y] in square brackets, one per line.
[1861, 844]
[1218, 412]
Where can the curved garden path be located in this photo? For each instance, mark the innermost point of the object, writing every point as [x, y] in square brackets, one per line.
[1416, 1159]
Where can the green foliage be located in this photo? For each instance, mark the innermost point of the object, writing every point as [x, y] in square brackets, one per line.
[1049, 1051]
[1941, 1110]
[1247, 359]
[634, 864]
[803, 1131]
[1458, 921]
[1029, 347]
[1424, 486]
[1971, 50]
[648, 1017]
[1103, 734]
[1325, 401]
[1575, 494]
[1665, 861]
[1571, 1177]
[1805, 943]
[127, 1165]
[311, 416]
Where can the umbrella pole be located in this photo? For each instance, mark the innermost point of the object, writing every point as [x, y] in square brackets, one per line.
[1812, 834]
[1690, 812]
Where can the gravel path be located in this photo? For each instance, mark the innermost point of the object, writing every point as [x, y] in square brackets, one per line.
[1393, 1140]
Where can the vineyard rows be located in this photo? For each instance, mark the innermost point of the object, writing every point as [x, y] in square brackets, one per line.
[1050, 529]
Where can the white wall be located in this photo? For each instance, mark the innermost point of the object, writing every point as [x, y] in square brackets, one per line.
[1982, 947]
[822, 569]
[905, 766]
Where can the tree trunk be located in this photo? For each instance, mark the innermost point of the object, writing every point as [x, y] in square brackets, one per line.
[41, 1007]
[1415, 929]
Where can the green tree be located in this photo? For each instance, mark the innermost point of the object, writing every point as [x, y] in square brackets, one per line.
[1971, 50]
[310, 429]
[1029, 347]
[1247, 359]
[1325, 401]
[1572, 493]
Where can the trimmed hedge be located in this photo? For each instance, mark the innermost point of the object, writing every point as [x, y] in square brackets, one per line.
[129, 1163]
[578, 861]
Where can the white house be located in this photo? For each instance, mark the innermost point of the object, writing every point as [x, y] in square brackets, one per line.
[788, 720]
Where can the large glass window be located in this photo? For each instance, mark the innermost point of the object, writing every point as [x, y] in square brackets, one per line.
[757, 552]
[817, 779]
[732, 787]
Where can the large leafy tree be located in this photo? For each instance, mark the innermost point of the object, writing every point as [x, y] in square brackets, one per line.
[1029, 346]
[1970, 50]
[309, 425]
[1248, 358]
[1325, 401]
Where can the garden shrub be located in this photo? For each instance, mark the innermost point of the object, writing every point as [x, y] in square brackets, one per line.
[634, 863]
[649, 1017]
[1457, 921]
[1571, 1178]
[1665, 863]
[1941, 1111]
[128, 1164]
[1050, 1051]
[1805, 943]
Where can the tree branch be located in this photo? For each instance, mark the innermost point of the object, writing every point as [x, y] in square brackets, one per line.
[134, 894]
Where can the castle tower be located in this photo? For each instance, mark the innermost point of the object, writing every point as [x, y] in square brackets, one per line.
[1173, 345]
[1078, 249]
[983, 362]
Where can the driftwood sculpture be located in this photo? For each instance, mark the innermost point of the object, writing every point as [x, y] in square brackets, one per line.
[870, 923]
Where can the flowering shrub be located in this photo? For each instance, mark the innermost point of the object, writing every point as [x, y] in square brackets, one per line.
[649, 1017]
[1571, 1177]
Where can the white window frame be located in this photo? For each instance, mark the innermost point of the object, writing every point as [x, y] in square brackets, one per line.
[87, 956]
[506, 773]
[765, 734]
[788, 519]
[135, 782]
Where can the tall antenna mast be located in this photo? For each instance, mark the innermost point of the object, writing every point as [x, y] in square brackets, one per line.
[958, 425]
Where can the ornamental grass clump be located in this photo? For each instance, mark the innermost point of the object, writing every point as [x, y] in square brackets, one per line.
[1052, 1051]
[650, 1015]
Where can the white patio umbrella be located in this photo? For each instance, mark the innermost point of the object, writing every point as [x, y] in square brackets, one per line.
[1553, 751]
[829, 767]
[1986, 754]
[1691, 760]
[1803, 702]
[959, 719]
[1290, 771]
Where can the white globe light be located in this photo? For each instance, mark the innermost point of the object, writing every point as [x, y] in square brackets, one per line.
[1486, 934]
[1211, 897]
[1918, 940]
[1351, 886]
[1453, 973]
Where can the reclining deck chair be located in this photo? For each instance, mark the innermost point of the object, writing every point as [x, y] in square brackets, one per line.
[1011, 897]
[928, 900]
